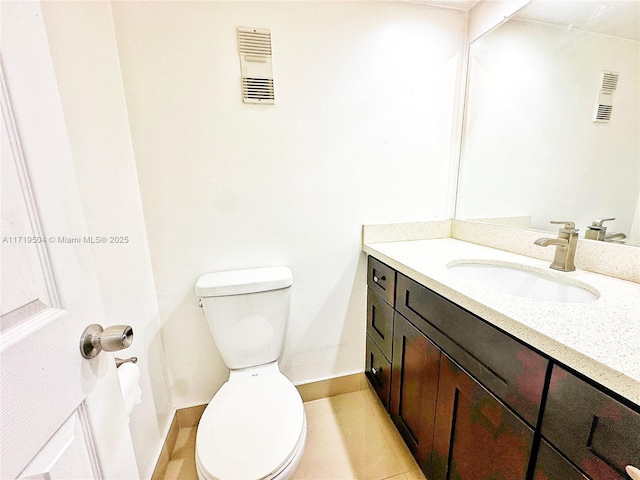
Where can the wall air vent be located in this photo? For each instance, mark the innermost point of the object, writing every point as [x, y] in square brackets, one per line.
[604, 106]
[255, 63]
[603, 114]
[609, 82]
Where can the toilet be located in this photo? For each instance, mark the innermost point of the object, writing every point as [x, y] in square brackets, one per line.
[255, 426]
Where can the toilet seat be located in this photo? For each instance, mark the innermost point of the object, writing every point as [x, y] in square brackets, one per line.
[252, 428]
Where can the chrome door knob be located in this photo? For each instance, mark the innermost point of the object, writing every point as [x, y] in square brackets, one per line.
[94, 339]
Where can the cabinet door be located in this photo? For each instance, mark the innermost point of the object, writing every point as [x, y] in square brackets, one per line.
[378, 371]
[380, 322]
[596, 432]
[414, 388]
[476, 436]
[509, 369]
[550, 465]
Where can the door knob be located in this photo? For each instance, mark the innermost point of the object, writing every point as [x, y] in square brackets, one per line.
[94, 339]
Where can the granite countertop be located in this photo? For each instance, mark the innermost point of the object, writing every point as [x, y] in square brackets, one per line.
[600, 339]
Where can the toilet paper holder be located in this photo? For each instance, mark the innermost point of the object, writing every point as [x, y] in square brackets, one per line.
[120, 361]
[95, 339]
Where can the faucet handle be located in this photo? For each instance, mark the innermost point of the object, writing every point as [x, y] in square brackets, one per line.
[569, 226]
[598, 223]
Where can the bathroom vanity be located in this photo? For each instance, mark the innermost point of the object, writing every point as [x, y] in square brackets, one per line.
[482, 384]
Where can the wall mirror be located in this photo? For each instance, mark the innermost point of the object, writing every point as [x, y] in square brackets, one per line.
[551, 124]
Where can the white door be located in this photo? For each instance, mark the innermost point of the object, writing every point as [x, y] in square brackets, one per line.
[61, 416]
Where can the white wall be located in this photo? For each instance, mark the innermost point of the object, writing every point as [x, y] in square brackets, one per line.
[531, 146]
[85, 58]
[366, 100]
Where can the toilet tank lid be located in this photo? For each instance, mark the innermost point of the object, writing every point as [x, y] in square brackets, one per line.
[238, 282]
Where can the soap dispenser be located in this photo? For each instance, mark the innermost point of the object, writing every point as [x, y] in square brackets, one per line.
[596, 231]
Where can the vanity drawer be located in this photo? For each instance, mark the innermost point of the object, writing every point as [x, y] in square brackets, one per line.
[550, 465]
[380, 322]
[382, 279]
[596, 432]
[378, 370]
[509, 369]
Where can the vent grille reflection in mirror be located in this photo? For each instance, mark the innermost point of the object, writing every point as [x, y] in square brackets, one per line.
[604, 106]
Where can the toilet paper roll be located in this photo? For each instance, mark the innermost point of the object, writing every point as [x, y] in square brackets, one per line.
[129, 375]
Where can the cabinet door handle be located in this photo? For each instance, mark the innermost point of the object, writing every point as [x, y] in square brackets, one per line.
[381, 279]
[376, 371]
[633, 472]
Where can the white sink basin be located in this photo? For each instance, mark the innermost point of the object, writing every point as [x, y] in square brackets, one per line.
[521, 281]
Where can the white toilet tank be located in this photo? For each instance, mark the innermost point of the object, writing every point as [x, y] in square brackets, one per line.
[247, 312]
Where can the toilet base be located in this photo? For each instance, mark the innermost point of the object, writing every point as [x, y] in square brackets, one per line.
[254, 428]
[287, 471]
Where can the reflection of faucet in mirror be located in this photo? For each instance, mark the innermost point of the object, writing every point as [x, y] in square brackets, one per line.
[596, 231]
[565, 246]
[615, 238]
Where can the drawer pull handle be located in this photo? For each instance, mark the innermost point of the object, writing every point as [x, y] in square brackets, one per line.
[376, 371]
[381, 279]
[633, 472]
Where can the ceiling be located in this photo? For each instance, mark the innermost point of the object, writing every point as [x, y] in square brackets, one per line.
[618, 18]
[459, 4]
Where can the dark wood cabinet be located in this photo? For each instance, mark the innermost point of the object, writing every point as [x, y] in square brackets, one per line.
[509, 369]
[378, 371]
[414, 388]
[476, 435]
[551, 465]
[380, 322]
[381, 280]
[474, 403]
[594, 431]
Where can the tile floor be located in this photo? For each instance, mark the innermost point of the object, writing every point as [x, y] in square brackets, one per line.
[349, 436]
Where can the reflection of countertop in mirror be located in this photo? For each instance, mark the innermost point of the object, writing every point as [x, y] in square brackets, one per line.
[599, 339]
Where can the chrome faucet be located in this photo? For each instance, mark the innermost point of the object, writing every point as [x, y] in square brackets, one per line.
[565, 246]
[596, 231]
[615, 237]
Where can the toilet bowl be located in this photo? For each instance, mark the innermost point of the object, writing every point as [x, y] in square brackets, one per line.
[255, 426]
